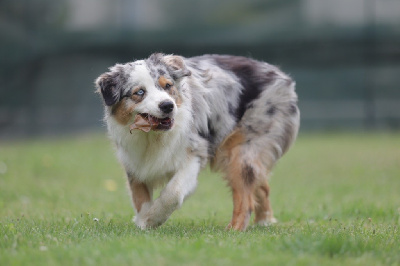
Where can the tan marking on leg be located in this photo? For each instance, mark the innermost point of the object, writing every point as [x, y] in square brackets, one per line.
[263, 209]
[223, 153]
[229, 159]
[243, 205]
[140, 194]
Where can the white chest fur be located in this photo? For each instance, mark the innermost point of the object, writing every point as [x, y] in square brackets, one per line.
[151, 157]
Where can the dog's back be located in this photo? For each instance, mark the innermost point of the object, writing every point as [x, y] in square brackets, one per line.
[238, 92]
[252, 120]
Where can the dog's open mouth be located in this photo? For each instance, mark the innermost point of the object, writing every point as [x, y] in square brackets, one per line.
[146, 122]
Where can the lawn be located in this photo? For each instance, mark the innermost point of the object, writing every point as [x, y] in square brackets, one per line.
[336, 196]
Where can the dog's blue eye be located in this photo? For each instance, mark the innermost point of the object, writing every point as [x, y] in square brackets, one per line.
[168, 86]
[140, 92]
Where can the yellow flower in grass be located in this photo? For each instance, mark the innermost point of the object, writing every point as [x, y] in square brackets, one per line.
[110, 185]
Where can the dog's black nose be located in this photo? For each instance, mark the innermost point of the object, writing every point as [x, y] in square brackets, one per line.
[166, 106]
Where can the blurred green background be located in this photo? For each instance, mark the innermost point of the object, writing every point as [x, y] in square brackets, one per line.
[344, 55]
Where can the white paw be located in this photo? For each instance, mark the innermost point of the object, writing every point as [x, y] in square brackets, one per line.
[140, 219]
[268, 221]
[140, 223]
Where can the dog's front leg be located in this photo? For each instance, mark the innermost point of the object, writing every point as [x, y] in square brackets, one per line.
[141, 198]
[182, 184]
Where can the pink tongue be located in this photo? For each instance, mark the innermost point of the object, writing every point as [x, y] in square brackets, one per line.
[165, 121]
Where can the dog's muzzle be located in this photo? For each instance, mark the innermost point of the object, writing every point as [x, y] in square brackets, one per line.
[147, 122]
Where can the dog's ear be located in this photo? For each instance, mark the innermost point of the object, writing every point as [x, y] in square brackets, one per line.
[176, 66]
[109, 85]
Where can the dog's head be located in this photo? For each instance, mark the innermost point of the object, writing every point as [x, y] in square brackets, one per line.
[148, 88]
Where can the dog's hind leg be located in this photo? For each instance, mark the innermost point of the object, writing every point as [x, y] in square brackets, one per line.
[263, 210]
[241, 178]
[241, 175]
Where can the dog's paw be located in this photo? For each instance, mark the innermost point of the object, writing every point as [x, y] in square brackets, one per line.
[145, 223]
[141, 219]
[267, 222]
[140, 223]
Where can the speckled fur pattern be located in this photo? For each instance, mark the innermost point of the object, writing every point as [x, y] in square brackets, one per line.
[237, 113]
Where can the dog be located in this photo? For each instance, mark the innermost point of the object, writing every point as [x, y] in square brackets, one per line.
[168, 116]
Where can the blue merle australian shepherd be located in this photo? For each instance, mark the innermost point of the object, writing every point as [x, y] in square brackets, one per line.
[169, 115]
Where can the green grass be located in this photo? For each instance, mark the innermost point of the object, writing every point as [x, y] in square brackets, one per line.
[337, 197]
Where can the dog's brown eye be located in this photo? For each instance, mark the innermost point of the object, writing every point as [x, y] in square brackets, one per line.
[168, 86]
